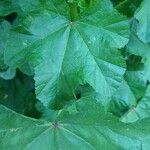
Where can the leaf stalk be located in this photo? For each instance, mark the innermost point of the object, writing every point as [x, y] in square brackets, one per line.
[73, 11]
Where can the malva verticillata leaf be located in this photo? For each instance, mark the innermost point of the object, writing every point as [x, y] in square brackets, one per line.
[6, 72]
[136, 79]
[66, 53]
[89, 128]
[143, 16]
[137, 47]
[140, 111]
[129, 92]
[91, 70]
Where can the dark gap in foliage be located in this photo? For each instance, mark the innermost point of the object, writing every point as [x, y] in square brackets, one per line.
[147, 83]
[124, 53]
[82, 89]
[78, 95]
[79, 92]
[115, 2]
[18, 94]
[11, 17]
[32, 112]
[134, 63]
[126, 7]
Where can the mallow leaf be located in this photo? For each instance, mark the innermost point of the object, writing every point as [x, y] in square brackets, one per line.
[122, 100]
[139, 48]
[87, 128]
[133, 88]
[137, 82]
[143, 16]
[5, 7]
[138, 78]
[67, 54]
[6, 72]
[141, 51]
[142, 110]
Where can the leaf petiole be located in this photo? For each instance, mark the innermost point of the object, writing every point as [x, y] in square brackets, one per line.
[73, 11]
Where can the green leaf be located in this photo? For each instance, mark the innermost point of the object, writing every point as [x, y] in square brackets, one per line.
[89, 128]
[122, 100]
[92, 79]
[5, 7]
[133, 88]
[67, 54]
[142, 110]
[46, 113]
[137, 82]
[137, 47]
[143, 16]
[6, 72]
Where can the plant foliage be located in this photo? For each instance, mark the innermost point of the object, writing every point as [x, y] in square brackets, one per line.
[80, 68]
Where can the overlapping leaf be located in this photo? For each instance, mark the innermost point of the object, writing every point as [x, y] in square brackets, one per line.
[142, 110]
[137, 47]
[143, 16]
[136, 78]
[76, 65]
[66, 54]
[89, 128]
[5, 71]
[131, 90]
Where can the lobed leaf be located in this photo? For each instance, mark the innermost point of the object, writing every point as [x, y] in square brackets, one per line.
[67, 54]
[85, 129]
